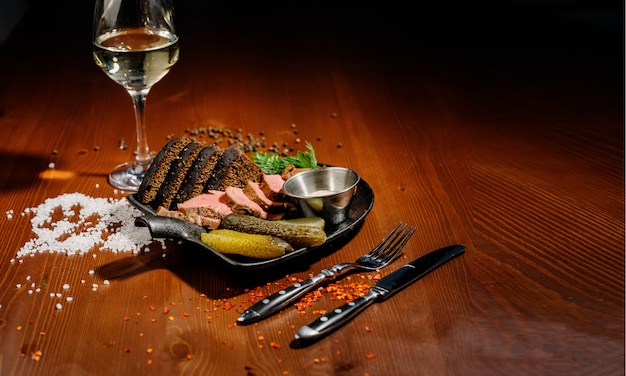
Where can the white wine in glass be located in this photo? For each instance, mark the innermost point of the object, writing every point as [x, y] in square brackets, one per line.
[135, 44]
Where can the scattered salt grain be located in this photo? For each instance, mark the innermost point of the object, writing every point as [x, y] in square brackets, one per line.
[58, 306]
[106, 282]
[66, 287]
[91, 271]
[69, 299]
[51, 165]
[58, 295]
[19, 285]
[85, 225]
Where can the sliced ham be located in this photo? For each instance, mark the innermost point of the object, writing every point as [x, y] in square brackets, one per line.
[208, 222]
[211, 204]
[169, 213]
[272, 186]
[264, 200]
[242, 204]
[255, 193]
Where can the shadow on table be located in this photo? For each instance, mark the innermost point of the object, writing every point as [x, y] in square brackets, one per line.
[19, 170]
[210, 275]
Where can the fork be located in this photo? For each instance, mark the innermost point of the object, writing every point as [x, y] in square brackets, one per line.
[380, 256]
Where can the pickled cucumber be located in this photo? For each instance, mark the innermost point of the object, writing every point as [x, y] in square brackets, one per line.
[307, 221]
[244, 244]
[297, 234]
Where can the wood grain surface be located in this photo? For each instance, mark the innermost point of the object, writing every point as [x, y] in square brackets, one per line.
[498, 126]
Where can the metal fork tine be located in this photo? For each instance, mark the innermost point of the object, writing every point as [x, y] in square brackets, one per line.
[397, 246]
[390, 238]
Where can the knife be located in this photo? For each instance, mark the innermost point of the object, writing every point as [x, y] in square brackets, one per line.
[381, 291]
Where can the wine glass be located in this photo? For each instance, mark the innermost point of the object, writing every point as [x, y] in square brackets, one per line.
[135, 44]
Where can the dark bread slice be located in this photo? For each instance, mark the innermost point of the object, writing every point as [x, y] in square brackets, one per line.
[176, 175]
[221, 168]
[157, 172]
[239, 172]
[197, 174]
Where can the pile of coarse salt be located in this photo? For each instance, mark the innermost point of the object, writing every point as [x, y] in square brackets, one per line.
[74, 223]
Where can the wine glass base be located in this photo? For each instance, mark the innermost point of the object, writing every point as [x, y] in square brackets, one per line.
[128, 176]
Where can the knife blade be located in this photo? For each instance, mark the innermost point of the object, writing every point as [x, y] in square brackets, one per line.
[381, 291]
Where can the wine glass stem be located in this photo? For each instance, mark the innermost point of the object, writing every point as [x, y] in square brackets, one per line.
[142, 158]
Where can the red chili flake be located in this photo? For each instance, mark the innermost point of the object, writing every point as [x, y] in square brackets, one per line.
[370, 356]
[145, 296]
[36, 355]
[279, 360]
[126, 318]
[166, 310]
[153, 320]
[260, 338]
[185, 314]
[152, 308]
[275, 345]
[126, 349]
[368, 329]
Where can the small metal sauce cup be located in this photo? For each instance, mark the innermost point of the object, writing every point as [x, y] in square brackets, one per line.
[323, 192]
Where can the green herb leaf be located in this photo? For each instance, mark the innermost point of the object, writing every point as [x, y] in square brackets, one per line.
[273, 163]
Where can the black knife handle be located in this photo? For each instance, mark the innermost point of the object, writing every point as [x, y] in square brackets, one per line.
[280, 299]
[336, 318]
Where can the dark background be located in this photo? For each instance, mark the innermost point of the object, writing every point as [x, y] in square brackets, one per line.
[564, 39]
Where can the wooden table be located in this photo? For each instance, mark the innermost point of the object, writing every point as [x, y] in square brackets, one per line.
[470, 125]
